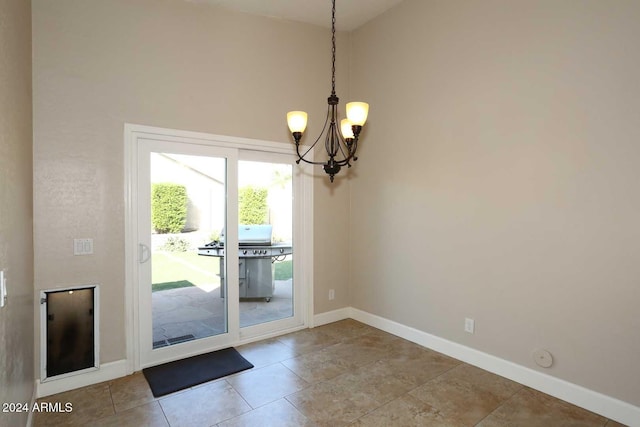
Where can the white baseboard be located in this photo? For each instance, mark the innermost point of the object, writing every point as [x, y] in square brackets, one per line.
[106, 372]
[599, 403]
[33, 401]
[331, 316]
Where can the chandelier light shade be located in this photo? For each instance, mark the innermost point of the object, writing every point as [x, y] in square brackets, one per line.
[345, 127]
[341, 145]
[297, 121]
[357, 112]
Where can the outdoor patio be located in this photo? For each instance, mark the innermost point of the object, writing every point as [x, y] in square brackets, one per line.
[194, 312]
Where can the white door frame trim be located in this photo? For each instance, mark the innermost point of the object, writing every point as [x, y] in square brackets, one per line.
[134, 132]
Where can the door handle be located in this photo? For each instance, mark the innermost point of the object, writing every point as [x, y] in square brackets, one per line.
[144, 254]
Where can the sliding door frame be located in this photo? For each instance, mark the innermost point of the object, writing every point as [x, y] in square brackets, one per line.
[303, 229]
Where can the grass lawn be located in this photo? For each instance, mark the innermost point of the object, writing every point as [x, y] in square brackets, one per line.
[180, 269]
[155, 287]
[284, 270]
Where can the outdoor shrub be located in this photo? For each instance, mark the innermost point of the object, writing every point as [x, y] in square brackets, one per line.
[214, 236]
[253, 205]
[168, 207]
[175, 244]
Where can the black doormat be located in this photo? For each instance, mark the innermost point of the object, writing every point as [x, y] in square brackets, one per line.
[180, 374]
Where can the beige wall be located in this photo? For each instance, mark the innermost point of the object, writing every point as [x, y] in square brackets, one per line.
[500, 179]
[167, 63]
[497, 169]
[16, 207]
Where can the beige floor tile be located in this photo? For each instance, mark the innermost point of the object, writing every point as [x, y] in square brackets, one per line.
[308, 340]
[267, 352]
[500, 386]
[364, 349]
[130, 391]
[318, 366]
[87, 404]
[534, 409]
[466, 394]
[359, 347]
[407, 348]
[203, 406]
[405, 411]
[611, 423]
[375, 381]
[345, 329]
[417, 365]
[146, 415]
[375, 332]
[264, 385]
[327, 404]
[280, 413]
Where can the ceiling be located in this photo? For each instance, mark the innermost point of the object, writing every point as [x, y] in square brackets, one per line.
[350, 14]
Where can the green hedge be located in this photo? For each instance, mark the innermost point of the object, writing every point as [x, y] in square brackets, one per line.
[253, 205]
[168, 207]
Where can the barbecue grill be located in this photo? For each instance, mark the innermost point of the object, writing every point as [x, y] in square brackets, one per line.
[256, 254]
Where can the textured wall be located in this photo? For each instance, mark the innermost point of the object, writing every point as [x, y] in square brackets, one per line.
[16, 207]
[501, 177]
[172, 64]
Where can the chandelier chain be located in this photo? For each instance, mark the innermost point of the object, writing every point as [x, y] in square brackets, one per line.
[333, 48]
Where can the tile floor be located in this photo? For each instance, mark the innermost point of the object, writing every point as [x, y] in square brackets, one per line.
[344, 373]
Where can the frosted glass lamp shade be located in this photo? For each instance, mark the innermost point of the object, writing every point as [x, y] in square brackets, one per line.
[357, 113]
[345, 127]
[297, 121]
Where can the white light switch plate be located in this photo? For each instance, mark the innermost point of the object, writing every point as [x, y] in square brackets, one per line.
[82, 246]
[3, 289]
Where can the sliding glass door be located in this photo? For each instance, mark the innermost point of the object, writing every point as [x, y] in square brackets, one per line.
[216, 230]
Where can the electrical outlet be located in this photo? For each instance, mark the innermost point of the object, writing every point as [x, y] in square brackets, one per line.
[332, 294]
[469, 325]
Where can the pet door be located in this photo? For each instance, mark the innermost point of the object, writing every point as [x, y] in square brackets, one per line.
[70, 330]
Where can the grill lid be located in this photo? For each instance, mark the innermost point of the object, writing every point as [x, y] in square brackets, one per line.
[252, 235]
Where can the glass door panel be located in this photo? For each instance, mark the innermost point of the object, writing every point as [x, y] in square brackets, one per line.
[183, 193]
[265, 202]
[187, 212]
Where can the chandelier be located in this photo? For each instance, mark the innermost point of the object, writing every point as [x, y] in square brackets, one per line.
[341, 146]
